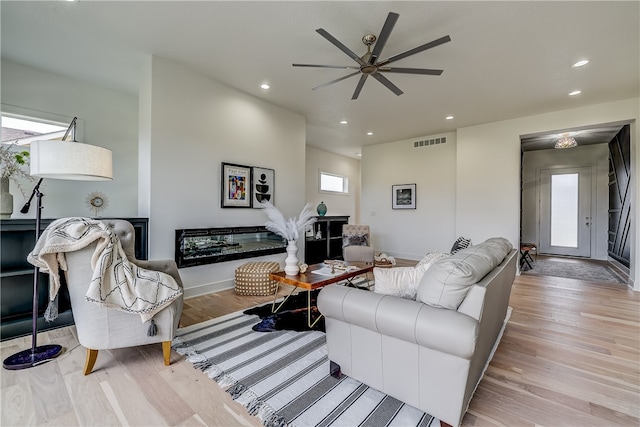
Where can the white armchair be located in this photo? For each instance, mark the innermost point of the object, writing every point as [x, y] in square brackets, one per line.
[101, 328]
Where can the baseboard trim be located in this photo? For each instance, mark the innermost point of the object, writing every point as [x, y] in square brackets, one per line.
[208, 288]
[619, 265]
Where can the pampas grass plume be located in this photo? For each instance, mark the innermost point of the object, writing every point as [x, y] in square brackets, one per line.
[287, 228]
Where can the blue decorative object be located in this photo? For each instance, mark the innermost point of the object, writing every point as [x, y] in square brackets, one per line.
[322, 209]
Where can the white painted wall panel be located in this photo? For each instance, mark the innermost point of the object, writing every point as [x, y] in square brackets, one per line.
[196, 124]
[410, 233]
[337, 204]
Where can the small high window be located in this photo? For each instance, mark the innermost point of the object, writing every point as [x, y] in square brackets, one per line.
[333, 183]
[22, 131]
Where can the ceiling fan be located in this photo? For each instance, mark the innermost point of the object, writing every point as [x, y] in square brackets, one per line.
[369, 65]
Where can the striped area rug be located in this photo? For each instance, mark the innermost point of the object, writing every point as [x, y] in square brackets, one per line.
[282, 377]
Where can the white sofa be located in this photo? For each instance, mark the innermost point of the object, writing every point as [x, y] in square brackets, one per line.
[425, 355]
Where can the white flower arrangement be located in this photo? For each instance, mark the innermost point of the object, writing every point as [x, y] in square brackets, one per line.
[288, 229]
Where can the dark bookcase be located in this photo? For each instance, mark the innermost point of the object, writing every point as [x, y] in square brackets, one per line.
[16, 277]
[329, 245]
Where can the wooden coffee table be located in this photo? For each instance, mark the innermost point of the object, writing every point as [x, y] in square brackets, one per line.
[313, 279]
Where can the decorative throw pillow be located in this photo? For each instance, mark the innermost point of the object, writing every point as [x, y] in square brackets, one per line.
[460, 244]
[432, 257]
[354, 240]
[399, 281]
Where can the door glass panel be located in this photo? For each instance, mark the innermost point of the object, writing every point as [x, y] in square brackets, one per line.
[564, 210]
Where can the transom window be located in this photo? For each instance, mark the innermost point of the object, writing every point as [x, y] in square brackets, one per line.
[332, 183]
[21, 131]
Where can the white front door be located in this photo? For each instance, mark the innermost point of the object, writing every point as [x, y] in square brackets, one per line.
[565, 211]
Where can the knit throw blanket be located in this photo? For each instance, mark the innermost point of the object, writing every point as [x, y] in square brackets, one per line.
[116, 282]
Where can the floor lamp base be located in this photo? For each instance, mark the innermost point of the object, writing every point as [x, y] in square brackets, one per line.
[32, 357]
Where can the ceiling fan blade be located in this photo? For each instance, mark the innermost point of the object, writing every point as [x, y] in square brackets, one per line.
[336, 80]
[340, 46]
[344, 67]
[356, 93]
[410, 71]
[384, 36]
[382, 79]
[415, 50]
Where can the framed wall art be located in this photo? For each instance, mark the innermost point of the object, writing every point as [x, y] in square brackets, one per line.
[264, 181]
[404, 196]
[236, 186]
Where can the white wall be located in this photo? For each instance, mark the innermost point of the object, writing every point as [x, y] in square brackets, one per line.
[472, 189]
[193, 124]
[488, 175]
[594, 156]
[488, 185]
[410, 233]
[188, 125]
[106, 118]
[337, 204]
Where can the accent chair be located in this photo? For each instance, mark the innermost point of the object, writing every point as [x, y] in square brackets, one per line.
[101, 328]
[356, 243]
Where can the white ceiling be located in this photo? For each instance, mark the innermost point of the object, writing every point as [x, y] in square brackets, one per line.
[505, 60]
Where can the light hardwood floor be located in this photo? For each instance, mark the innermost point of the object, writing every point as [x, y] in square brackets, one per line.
[570, 356]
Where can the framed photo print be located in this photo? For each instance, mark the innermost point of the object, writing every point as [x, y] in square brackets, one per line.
[404, 196]
[264, 181]
[236, 186]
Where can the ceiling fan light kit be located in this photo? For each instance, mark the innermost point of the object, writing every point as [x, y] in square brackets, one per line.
[368, 64]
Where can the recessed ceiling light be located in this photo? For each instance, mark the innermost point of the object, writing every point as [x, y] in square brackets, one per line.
[581, 63]
[359, 154]
[343, 122]
[369, 133]
[449, 117]
[264, 86]
[575, 92]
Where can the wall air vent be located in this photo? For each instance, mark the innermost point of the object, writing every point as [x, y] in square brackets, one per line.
[427, 142]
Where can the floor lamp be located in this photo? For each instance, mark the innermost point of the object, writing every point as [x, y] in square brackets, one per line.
[67, 160]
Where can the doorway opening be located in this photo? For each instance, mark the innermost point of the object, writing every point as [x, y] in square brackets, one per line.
[576, 202]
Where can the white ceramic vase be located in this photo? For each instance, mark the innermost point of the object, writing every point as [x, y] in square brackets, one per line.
[6, 199]
[291, 267]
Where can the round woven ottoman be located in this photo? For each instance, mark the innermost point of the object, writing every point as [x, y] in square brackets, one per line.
[252, 278]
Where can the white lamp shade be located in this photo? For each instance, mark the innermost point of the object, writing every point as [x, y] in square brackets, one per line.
[71, 161]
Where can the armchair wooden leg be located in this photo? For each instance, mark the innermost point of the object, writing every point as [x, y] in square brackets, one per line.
[166, 352]
[92, 355]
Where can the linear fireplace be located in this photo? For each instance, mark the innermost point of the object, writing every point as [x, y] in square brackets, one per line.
[198, 246]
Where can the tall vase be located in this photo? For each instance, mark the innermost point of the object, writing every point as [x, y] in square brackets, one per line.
[6, 199]
[291, 267]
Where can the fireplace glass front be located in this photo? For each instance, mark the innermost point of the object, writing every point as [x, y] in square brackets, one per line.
[198, 246]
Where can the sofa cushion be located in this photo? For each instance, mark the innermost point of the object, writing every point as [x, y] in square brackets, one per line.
[448, 280]
[432, 257]
[403, 281]
[398, 281]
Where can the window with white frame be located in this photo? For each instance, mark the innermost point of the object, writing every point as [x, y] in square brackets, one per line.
[332, 183]
[22, 130]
